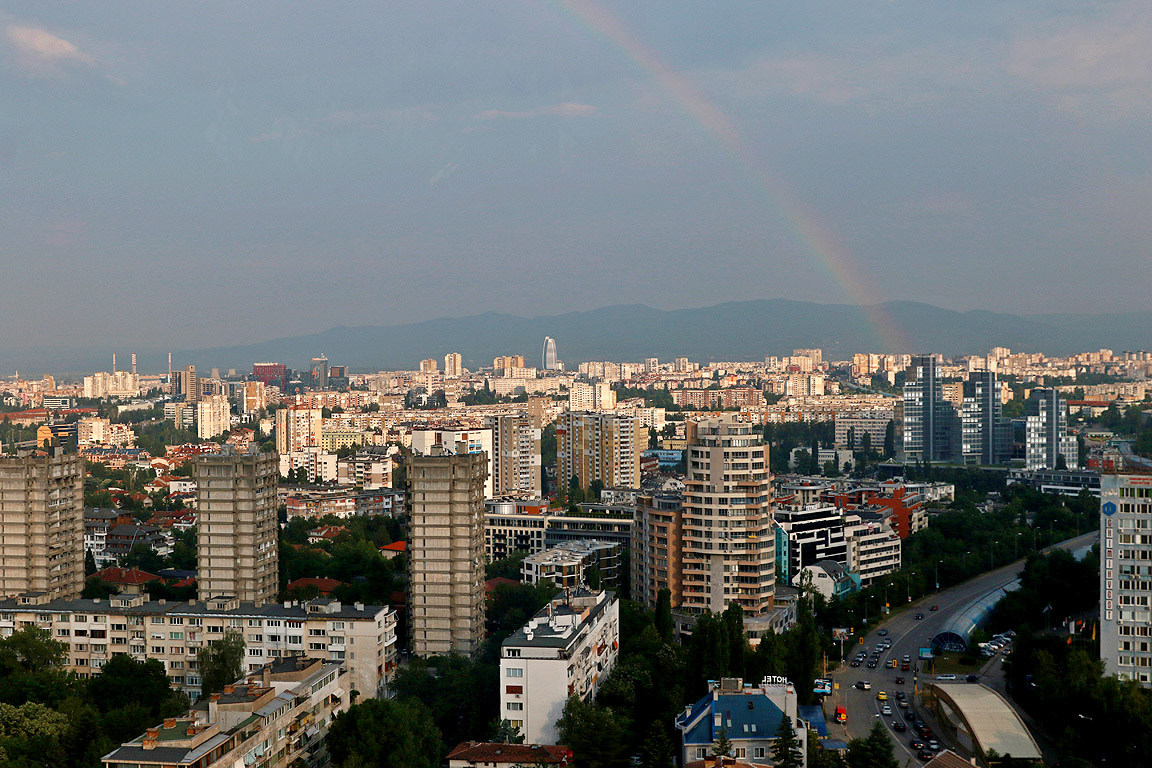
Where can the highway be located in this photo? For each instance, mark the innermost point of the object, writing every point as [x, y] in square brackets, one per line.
[908, 635]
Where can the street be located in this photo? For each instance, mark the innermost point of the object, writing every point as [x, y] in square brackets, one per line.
[908, 635]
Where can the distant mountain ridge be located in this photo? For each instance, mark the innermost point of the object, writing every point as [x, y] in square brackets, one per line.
[744, 330]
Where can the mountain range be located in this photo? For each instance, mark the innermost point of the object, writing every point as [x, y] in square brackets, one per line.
[745, 330]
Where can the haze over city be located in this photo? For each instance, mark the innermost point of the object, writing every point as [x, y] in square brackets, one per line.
[219, 173]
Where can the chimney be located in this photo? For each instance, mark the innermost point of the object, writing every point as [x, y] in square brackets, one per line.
[229, 689]
[169, 722]
[113, 362]
[133, 363]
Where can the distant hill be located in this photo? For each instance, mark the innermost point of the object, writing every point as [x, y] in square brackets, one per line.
[746, 330]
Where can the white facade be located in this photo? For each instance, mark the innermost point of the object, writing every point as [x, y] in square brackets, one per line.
[213, 416]
[568, 649]
[475, 441]
[1125, 573]
[874, 549]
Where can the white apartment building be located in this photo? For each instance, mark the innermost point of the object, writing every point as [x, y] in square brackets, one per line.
[874, 549]
[361, 636]
[568, 649]
[370, 471]
[516, 455]
[1126, 576]
[213, 416]
[298, 427]
[277, 716]
[318, 465]
[852, 426]
[474, 441]
[591, 397]
[567, 565]
[599, 446]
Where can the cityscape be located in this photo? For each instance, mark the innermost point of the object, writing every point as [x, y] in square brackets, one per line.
[575, 384]
[525, 558]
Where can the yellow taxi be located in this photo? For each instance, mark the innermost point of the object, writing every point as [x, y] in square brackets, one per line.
[881, 696]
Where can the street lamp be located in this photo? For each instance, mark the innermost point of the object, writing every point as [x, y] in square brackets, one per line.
[1016, 546]
[938, 574]
[908, 584]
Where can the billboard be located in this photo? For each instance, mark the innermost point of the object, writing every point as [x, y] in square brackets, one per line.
[926, 653]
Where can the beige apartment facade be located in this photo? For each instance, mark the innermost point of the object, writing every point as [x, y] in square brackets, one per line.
[599, 446]
[446, 546]
[42, 524]
[237, 533]
[361, 636]
[729, 546]
[516, 454]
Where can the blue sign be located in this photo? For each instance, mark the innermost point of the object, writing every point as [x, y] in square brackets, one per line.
[1108, 508]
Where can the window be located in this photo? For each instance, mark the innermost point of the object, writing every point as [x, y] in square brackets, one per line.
[157, 620]
[175, 635]
[757, 752]
[515, 706]
[514, 672]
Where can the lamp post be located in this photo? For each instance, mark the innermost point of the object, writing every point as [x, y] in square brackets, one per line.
[938, 574]
[1016, 546]
[908, 584]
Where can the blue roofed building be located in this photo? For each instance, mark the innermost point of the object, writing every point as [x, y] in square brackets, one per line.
[749, 715]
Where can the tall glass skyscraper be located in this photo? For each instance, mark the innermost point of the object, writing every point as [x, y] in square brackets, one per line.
[548, 357]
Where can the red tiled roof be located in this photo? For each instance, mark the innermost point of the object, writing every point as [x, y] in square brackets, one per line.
[491, 584]
[396, 546]
[514, 754]
[322, 583]
[132, 576]
[948, 759]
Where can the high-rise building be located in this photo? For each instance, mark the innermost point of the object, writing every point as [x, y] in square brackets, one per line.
[190, 384]
[729, 548]
[213, 416]
[319, 368]
[591, 397]
[1047, 442]
[1125, 588]
[930, 422]
[516, 454]
[272, 374]
[457, 440]
[428, 366]
[446, 551]
[657, 540]
[986, 436]
[453, 364]
[599, 446]
[298, 427]
[42, 525]
[236, 506]
[548, 359]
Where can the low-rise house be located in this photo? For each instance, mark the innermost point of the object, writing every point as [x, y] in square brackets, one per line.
[749, 716]
[479, 754]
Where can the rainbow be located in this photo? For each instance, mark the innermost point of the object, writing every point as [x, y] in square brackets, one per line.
[812, 235]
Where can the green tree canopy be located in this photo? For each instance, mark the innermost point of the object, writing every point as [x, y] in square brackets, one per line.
[385, 733]
[221, 663]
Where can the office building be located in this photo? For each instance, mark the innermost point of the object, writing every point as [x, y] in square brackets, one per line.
[568, 649]
[190, 384]
[986, 436]
[874, 549]
[453, 365]
[548, 359]
[590, 563]
[42, 524]
[728, 549]
[446, 546]
[363, 637]
[599, 447]
[930, 427]
[319, 368]
[812, 532]
[857, 430]
[457, 440]
[271, 374]
[516, 456]
[237, 533]
[1126, 576]
[1047, 442]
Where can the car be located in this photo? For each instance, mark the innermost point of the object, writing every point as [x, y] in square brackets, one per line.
[864, 685]
[854, 663]
[898, 726]
[886, 710]
[881, 696]
[906, 657]
[871, 665]
[925, 754]
[918, 616]
[903, 704]
[973, 678]
[933, 745]
[901, 695]
[883, 632]
[899, 680]
[934, 608]
[925, 732]
[946, 677]
[916, 744]
[904, 667]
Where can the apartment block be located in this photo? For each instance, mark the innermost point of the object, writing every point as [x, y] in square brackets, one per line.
[576, 563]
[213, 416]
[729, 548]
[446, 542]
[275, 717]
[237, 532]
[566, 650]
[874, 549]
[361, 636]
[298, 427]
[1047, 442]
[516, 456]
[453, 365]
[657, 543]
[591, 397]
[459, 440]
[851, 427]
[599, 446]
[42, 524]
[1126, 576]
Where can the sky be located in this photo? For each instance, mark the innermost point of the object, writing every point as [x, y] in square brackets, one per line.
[214, 173]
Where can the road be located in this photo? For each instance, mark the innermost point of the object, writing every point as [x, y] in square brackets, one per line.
[908, 635]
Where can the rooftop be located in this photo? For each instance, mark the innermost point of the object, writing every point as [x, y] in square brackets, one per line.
[519, 754]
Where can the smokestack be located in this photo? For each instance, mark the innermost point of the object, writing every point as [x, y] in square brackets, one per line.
[169, 371]
[133, 363]
[113, 362]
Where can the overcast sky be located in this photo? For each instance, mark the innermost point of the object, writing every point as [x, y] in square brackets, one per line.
[203, 173]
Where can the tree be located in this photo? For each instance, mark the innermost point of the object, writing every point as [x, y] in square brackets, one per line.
[221, 663]
[597, 736]
[31, 650]
[873, 751]
[385, 733]
[505, 733]
[786, 752]
[723, 745]
[890, 439]
[664, 614]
